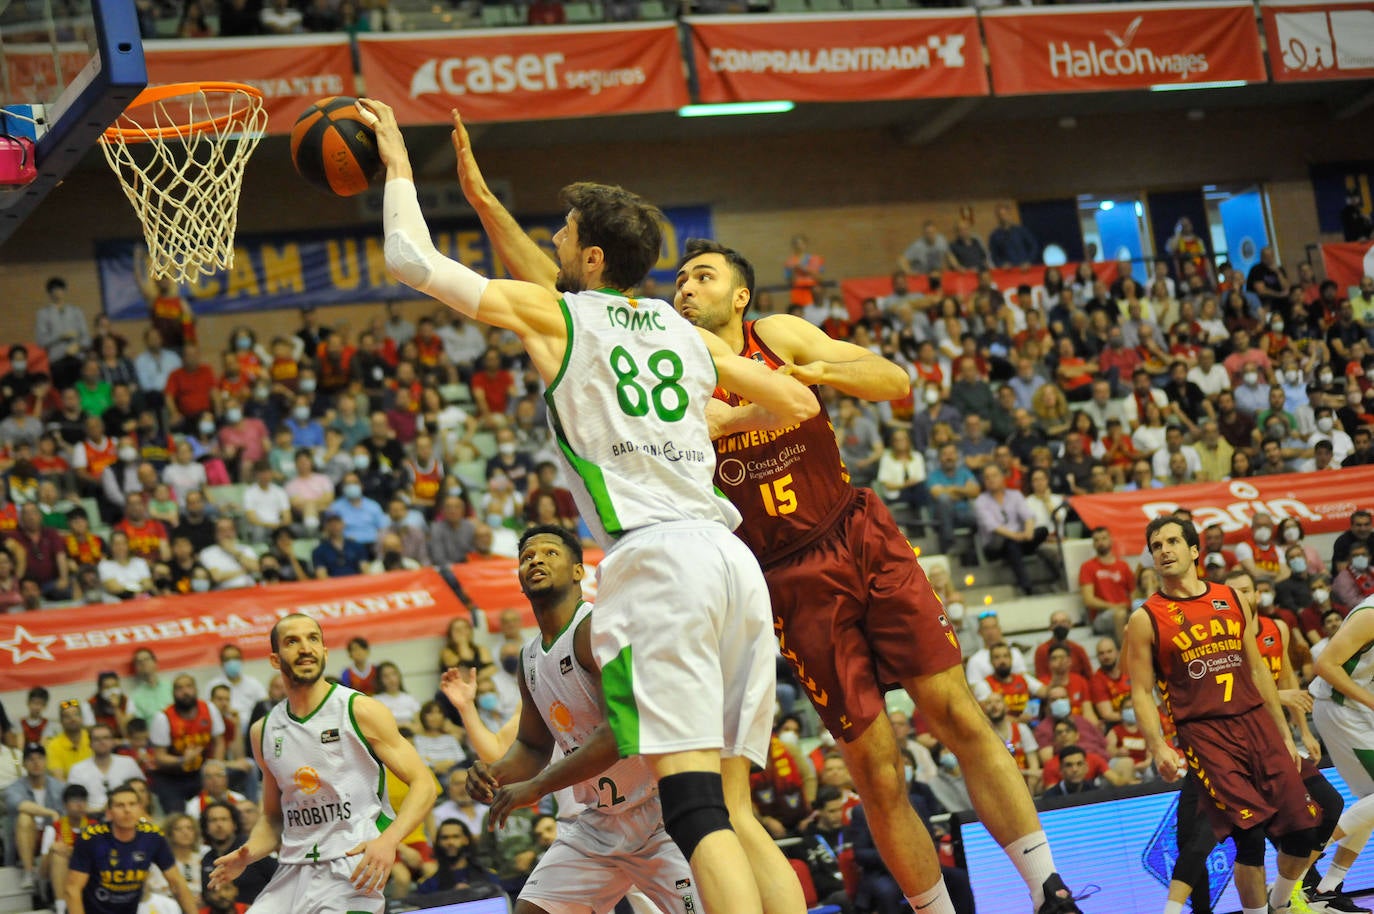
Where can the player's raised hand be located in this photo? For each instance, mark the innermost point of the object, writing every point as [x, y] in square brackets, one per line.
[459, 685]
[373, 871]
[481, 785]
[469, 175]
[1168, 763]
[230, 866]
[390, 145]
[510, 798]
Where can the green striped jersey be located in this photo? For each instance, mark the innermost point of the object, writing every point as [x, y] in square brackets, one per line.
[333, 788]
[628, 409]
[1360, 666]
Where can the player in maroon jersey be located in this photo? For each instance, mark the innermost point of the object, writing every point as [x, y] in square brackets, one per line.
[1196, 641]
[1196, 839]
[852, 608]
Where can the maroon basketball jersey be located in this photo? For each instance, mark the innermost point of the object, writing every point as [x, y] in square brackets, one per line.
[1199, 655]
[790, 484]
[1270, 645]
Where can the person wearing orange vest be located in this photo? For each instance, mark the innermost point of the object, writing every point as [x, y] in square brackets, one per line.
[183, 736]
[1017, 689]
[803, 270]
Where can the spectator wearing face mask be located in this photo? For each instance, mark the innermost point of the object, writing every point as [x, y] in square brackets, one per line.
[1295, 591]
[1259, 555]
[1312, 617]
[363, 519]
[1125, 740]
[1355, 581]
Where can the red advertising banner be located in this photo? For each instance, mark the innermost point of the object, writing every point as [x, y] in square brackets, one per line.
[57, 646]
[526, 74]
[291, 71]
[838, 58]
[1347, 262]
[1322, 501]
[1319, 39]
[857, 289]
[1122, 46]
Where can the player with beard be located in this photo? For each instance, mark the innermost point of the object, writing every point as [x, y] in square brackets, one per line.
[682, 608]
[323, 799]
[618, 840]
[798, 521]
[1197, 641]
[852, 608]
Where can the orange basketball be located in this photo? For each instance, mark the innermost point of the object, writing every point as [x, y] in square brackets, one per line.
[334, 149]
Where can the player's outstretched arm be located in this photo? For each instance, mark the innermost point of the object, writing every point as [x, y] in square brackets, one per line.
[530, 311]
[787, 400]
[1355, 632]
[815, 358]
[1140, 666]
[393, 750]
[459, 685]
[525, 259]
[266, 834]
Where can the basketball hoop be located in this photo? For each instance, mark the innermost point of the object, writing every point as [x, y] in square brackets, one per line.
[179, 152]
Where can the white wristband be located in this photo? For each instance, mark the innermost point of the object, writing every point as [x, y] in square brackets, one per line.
[412, 258]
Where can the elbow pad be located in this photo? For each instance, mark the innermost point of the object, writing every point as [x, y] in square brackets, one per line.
[412, 258]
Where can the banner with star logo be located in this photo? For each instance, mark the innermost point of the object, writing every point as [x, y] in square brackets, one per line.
[56, 646]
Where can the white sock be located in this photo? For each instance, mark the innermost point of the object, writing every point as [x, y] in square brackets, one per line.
[1031, 856]
[1281, 895]
[60, 906]
[1173, 907]
[1263, 910]
[934, 900]
[1335, 875]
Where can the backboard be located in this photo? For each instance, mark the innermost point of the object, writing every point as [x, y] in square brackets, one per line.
[83, 61]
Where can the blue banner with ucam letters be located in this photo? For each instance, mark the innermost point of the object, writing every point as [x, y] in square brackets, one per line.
[346, 266]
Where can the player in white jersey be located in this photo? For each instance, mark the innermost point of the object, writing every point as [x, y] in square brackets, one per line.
[1343, 712]
[617, 839]
[321, 752]
[682, 606]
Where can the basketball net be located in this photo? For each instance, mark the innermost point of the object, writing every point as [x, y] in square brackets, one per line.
[179, 152]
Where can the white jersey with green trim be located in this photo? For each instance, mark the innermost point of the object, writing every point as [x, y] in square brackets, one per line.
[1360, 665]
[629, 411]
[571, 707]
[333, 788]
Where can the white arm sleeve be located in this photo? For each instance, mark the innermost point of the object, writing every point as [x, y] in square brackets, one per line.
[412, 258]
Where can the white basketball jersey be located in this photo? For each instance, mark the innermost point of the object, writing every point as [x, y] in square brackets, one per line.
[629, 411]
[568, 701]
[333, 789]
[1360, 666]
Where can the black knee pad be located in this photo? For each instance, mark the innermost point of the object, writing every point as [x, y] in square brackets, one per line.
[1300, 843]
[1249, 846]
[1331, 803]
[693, 807]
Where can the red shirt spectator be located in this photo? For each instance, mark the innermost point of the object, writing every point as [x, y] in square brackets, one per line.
[492, 385]
[1123, 358]
[1109, 578]
[191, 388]
[147, 540]
[1133, 741]
[1097, 767]
[1102, 687]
